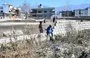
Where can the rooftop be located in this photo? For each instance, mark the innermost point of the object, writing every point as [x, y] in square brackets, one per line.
[44, 8]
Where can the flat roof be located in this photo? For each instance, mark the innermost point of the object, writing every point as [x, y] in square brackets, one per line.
[44, 8]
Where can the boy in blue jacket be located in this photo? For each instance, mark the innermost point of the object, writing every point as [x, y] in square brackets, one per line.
[50, 31]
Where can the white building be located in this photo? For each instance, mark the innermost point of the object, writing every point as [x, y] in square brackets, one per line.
[82, 12]
[89, 11]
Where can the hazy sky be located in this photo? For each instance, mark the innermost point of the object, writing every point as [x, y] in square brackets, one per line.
[51, 3]
[47, 3]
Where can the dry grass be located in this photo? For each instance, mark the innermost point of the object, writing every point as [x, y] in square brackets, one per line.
[20, 49]
[30, 49]
[80, 37]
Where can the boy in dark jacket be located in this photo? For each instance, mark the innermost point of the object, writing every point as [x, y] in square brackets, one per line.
[40, 27]
[50, 32]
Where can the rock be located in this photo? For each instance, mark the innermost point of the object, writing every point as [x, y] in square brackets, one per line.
[73, 56]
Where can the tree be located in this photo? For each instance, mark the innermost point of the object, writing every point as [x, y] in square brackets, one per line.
[25, 8]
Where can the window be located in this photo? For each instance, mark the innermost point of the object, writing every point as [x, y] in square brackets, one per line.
[45, 11]
[34, 15]
[79, 11]
[34, 11]
[39, 11]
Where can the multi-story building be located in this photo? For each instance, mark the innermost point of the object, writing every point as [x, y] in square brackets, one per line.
[82, 12]
[88, 11]
[67, 13]
[42, 13]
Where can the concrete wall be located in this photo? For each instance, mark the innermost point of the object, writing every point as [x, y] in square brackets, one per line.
[63, 26]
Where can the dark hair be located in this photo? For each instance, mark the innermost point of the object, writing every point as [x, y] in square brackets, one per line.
[1, 11]
[40, 22]
[50, 25]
